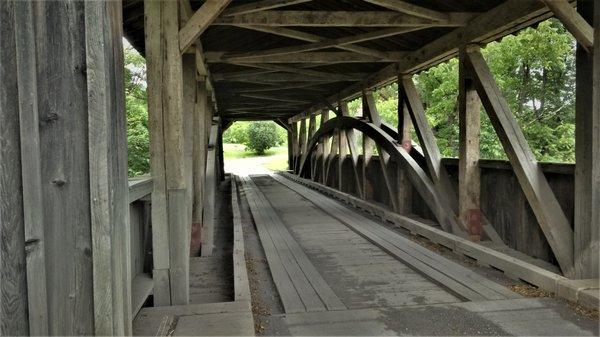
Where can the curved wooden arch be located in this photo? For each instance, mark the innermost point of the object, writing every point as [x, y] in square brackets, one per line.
[417, 176]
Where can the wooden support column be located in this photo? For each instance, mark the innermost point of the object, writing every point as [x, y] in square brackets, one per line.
[403, 186]
[587, 152]
[343, 150]
[294, 164]
[311, 131]
[332, 153]
[368, 102]
[350, 138]
[542, 200]
[200, 130]
[63, 170]
[190, 85]
[175, 157]
[326, 147]
[469, 106]
[165, 96]
[301, 143]
[160, 229]
[290, 147]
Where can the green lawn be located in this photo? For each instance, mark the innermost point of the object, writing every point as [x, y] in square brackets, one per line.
[277, 156]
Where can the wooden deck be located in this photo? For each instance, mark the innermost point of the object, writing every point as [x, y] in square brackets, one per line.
[339, 272]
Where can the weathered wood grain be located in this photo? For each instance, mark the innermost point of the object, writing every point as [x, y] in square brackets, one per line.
[156, 127]
[31, 170]
[13, 281]
[542, 200]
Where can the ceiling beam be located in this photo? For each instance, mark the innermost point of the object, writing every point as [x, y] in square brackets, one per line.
[274, 78]
[302, 36]
[410, 9]
[307, 72]
[573, 21]
[198, 23]
[341, 19]
[502, 20]
[300, 86]
[260, 6]
[307, 57]
[275, 98]
[387, 32]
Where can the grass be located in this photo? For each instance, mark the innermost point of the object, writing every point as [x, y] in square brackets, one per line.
[238, 151]
[277, 156]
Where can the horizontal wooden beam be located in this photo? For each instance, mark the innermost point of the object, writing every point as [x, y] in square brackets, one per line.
[300, 86]
[307, 72]
[410, 9]
[504, 19]
[308, 57]
[275, 98]
[341, 19]
[573, 21]
[274, 78]
[198, 23]
[303, 36]
[260, 6]
[329, 44]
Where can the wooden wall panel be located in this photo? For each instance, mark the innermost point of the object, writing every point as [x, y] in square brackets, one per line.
[13, 288]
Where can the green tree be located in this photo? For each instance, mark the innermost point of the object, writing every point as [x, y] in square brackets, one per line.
[136, 105]
[535, 70]
[262, 136]
[237, 133]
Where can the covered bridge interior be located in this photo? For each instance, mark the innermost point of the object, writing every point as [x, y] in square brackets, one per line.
[84, 250]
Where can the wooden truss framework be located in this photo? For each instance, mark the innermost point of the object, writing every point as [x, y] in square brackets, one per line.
[476, 82]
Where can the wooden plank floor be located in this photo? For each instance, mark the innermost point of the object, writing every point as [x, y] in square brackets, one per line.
[387, 284]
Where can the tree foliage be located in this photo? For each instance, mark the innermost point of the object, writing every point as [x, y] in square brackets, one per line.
[535, 70]
[262, 136]
[136, 105]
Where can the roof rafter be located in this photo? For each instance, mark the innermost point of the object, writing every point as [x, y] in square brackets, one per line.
[410, 9]
[260, 6]
[341, 19]
[387, 32]
[307, 72]
[295, 34]
[306, 57]
[503, 19]
[197, 23]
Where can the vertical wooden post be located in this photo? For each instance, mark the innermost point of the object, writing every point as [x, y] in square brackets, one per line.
[469, 106]
[13, 277]
[156, 125]
[294, 147]
[63, 170]
[31, 172]
[165, 99]
[326, 146]
[403, 185]
[312, 124]
[301, 144]
[174, 156]
[371, 114]
[199, 158]
[343, 149]
[587, 151]
[290, 147]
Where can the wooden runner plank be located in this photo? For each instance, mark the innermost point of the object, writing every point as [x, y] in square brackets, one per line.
[329, 298]
[462, 280]
[289, 296]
